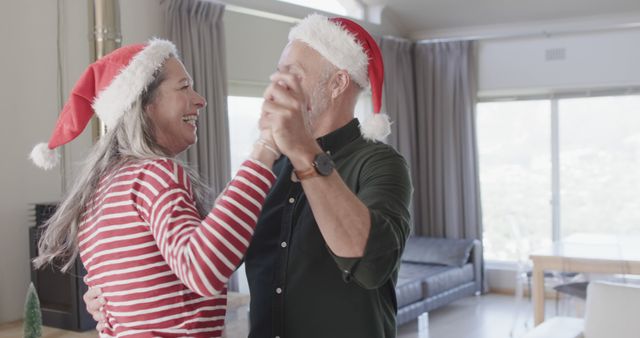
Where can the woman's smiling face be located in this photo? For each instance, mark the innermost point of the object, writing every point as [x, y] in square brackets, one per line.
[175, 108]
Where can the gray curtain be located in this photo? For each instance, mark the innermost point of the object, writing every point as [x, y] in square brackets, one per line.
[197, 29]
[448, 183]
[429, 93]
[399, 101]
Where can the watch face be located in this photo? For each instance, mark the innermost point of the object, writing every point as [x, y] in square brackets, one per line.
[324, 165]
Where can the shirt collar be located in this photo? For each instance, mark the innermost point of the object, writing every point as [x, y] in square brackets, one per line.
[340, 137]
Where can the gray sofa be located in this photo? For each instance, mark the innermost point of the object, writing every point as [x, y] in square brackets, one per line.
[435, 272]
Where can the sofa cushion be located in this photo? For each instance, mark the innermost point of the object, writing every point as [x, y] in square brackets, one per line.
[435, 278]
[448, 279]
[416, 271]
[419, 273]
[408, 291]
[430, 250]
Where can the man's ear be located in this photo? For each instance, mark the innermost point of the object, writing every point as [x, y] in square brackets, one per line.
[339, 83]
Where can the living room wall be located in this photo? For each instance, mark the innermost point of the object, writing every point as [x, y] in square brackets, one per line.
[29, 107]
[599, 59]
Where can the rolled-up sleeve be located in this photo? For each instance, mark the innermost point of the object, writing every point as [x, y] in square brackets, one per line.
[384, 186]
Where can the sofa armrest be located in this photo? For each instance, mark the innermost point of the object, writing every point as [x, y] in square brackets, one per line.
[476, 260]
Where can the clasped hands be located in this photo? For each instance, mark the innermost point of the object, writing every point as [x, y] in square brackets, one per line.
[284, 121]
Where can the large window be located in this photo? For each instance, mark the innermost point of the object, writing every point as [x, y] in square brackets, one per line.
[243, 112]
[555, 168]
[515, 163]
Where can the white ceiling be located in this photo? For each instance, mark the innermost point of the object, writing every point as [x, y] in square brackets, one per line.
[421, 18]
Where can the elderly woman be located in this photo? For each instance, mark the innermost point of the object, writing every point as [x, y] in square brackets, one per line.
[136, 215]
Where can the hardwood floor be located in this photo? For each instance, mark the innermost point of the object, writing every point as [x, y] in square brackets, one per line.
[14, 330]
[488, 316]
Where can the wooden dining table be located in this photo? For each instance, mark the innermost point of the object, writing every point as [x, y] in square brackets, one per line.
[583, 253]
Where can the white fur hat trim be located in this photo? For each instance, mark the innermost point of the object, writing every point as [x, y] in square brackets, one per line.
[335, 44]
[125, 88]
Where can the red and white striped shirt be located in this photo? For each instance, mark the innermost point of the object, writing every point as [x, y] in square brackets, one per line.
[162, 269]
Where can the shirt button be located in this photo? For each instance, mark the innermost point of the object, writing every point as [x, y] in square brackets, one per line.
[283, 244]
[291, 200]
[278, 290]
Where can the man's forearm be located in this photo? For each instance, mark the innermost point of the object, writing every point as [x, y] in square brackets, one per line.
[343, 219]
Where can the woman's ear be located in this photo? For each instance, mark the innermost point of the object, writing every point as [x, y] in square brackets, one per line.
[339, 83]
[149, 108]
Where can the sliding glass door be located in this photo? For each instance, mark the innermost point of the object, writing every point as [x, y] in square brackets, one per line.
[558, 167]
[599, 165]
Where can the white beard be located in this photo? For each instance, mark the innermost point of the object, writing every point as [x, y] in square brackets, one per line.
[319, 103]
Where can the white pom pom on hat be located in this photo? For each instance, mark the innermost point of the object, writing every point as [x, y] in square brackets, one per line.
[348, 46]
[377, 127]
[44, 157]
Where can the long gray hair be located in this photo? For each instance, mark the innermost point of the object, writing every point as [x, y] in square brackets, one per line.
[132, 139]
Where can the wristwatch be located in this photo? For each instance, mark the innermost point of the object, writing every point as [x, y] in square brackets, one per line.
[322, 165]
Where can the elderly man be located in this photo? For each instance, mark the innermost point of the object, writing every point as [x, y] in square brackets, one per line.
[326, 250]
[325, 255]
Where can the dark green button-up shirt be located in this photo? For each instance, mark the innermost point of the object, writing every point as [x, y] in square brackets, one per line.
[299, 288]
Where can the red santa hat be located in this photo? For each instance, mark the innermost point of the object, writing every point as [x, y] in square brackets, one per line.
[348, 46]
[109, 87]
